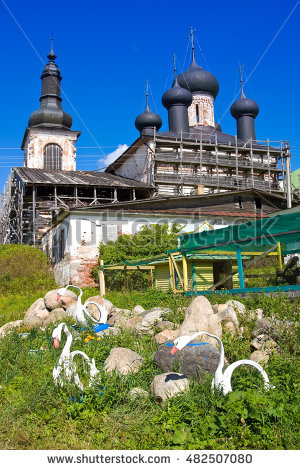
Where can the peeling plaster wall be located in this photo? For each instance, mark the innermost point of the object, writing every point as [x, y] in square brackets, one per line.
[138, 165]
[205, 115]
[36, 141]
[81, 234]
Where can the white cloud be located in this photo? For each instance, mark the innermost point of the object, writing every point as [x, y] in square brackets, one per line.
[111, 157]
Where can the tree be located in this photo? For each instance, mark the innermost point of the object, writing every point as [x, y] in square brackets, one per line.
[148, 242]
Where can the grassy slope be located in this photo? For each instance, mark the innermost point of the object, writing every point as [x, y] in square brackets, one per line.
[24, 277]
[37, 415]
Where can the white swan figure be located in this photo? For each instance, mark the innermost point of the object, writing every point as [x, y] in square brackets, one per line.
[81, 313]
[65, 367]
[221, 380]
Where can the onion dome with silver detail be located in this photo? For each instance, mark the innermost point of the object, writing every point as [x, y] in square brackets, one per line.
[148, 121]
[244, 107]
[176, 96]
[198, 80]
[50, 112]
[177, 100]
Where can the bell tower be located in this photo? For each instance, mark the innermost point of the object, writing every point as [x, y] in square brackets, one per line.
[48, 141]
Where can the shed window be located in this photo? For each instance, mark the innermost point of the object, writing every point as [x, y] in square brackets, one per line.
[52, 157]
[238, 203]
[258, 204]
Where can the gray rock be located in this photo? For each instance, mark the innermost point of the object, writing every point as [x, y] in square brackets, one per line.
[260, 356]
[150, 319]
[121, 311]
[118, 319]
[192, 360]
[256, 314]
[167, 385]
[10, 327]
[51, 301]
[137, 310]
[236, 304]
[219, 307]
[36, 314]
[229, 315]
[54, 316]
[123, 361]
[165, 325]
[113, 330]
[265, 343]
[265, 326]
[132, 323]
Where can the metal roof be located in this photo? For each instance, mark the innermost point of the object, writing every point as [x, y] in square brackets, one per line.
[283, 228]
[84, 178]
[210, 134]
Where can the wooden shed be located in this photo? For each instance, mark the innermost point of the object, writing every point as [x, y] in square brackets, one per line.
[203, 271]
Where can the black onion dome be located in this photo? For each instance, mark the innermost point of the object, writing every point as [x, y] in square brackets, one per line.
[48, 115]
[196, 79]
[148, 119]
[50, 112]
[244, 107]
[177, 95]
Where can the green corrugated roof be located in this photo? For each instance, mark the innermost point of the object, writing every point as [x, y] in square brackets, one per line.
[251, 236]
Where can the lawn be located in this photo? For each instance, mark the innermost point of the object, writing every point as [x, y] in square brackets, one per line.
[35, 414]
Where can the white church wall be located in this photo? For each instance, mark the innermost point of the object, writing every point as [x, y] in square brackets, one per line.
[81, 234]
[137, 166]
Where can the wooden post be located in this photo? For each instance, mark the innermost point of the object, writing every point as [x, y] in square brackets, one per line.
[152, 280]
[172, 274]
[240, 267]
[185, 273]
[33, 213]
[101, 280]
[279, 256]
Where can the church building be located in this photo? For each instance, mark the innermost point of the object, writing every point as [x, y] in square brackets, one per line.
[195, 156]
[49, 181]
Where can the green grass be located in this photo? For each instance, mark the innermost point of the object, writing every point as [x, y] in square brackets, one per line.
[25, 275]
[37, 415]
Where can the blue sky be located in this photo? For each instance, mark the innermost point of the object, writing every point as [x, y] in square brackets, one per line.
[106, 51]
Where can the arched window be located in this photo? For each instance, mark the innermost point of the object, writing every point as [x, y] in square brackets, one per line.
[52, 157]
[197, 113]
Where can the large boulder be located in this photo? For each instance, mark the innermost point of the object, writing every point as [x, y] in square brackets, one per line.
[10, 327]
[199, 316]
[54, 316]
[195, 359]
[51, 301]
[37, 314]
[103, 302]
[123, 360]
[167, 385]
[66, 301]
